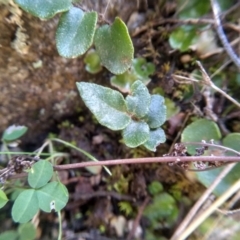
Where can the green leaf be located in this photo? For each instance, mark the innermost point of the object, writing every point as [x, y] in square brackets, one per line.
[27, 231]
[75, 32]
[155, 188]
[123, 81]
[172, 108]
[41, 172]
[107, 105]
[114, 46]
[9, 235]
[44, 9]
[156, 137]
[92, 61]
[193, 8]
[139, 100]
[53, 196]
[3, 198]
[125, 207]
[15, 194]
[182, 38]
[201, 129]
[225, 5]
[13, 133]
[140, 70]
[168, 212]
[207, 178]
[156, 115]
[25, 206]
[143, 68]
[232, 140]
[135, 134]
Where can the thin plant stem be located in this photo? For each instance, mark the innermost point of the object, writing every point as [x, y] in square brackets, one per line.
[56, 155]
[52, 160]
[217, 222]
[80, 150]
[39, 151]
[186, 118]
[105, 11]
[224, 197]
[208, 81]
[60, 225]
[24, 153]
[221, 34]
[212, 85]
[192, 213]
[185, 78]
[51, 150]
[165, 159]
[183, 5]
[216, 88]
[221, 68]
[213, 145]
[138, 218]
[5, 147]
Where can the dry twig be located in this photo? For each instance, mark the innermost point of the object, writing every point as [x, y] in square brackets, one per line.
[195, 223]
[190, 216]
[221, 34]
[207, 81]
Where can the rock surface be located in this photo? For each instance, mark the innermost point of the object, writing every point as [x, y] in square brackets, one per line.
[37, 85]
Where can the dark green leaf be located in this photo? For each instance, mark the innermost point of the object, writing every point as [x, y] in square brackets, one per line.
[139, 100]
[225, 5]
[155, 188]
[3, 198]
[156, 137]
[107, 105]
[27, 231]
[135, 134]
[201, 129]
[232, 140]
[13, 133]
[44, 8]
[75, 32]
[207, 178]
[182, 39]
[41, 172]
[25, 206]
[193, 8]
[114, 46]
[168, 212]
[53, 196]
[9, 235]
[142, 68]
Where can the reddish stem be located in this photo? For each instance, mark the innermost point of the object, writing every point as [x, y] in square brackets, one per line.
[166, 159]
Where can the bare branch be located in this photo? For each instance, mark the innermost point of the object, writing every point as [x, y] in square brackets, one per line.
[208, 81]
[167, 159]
